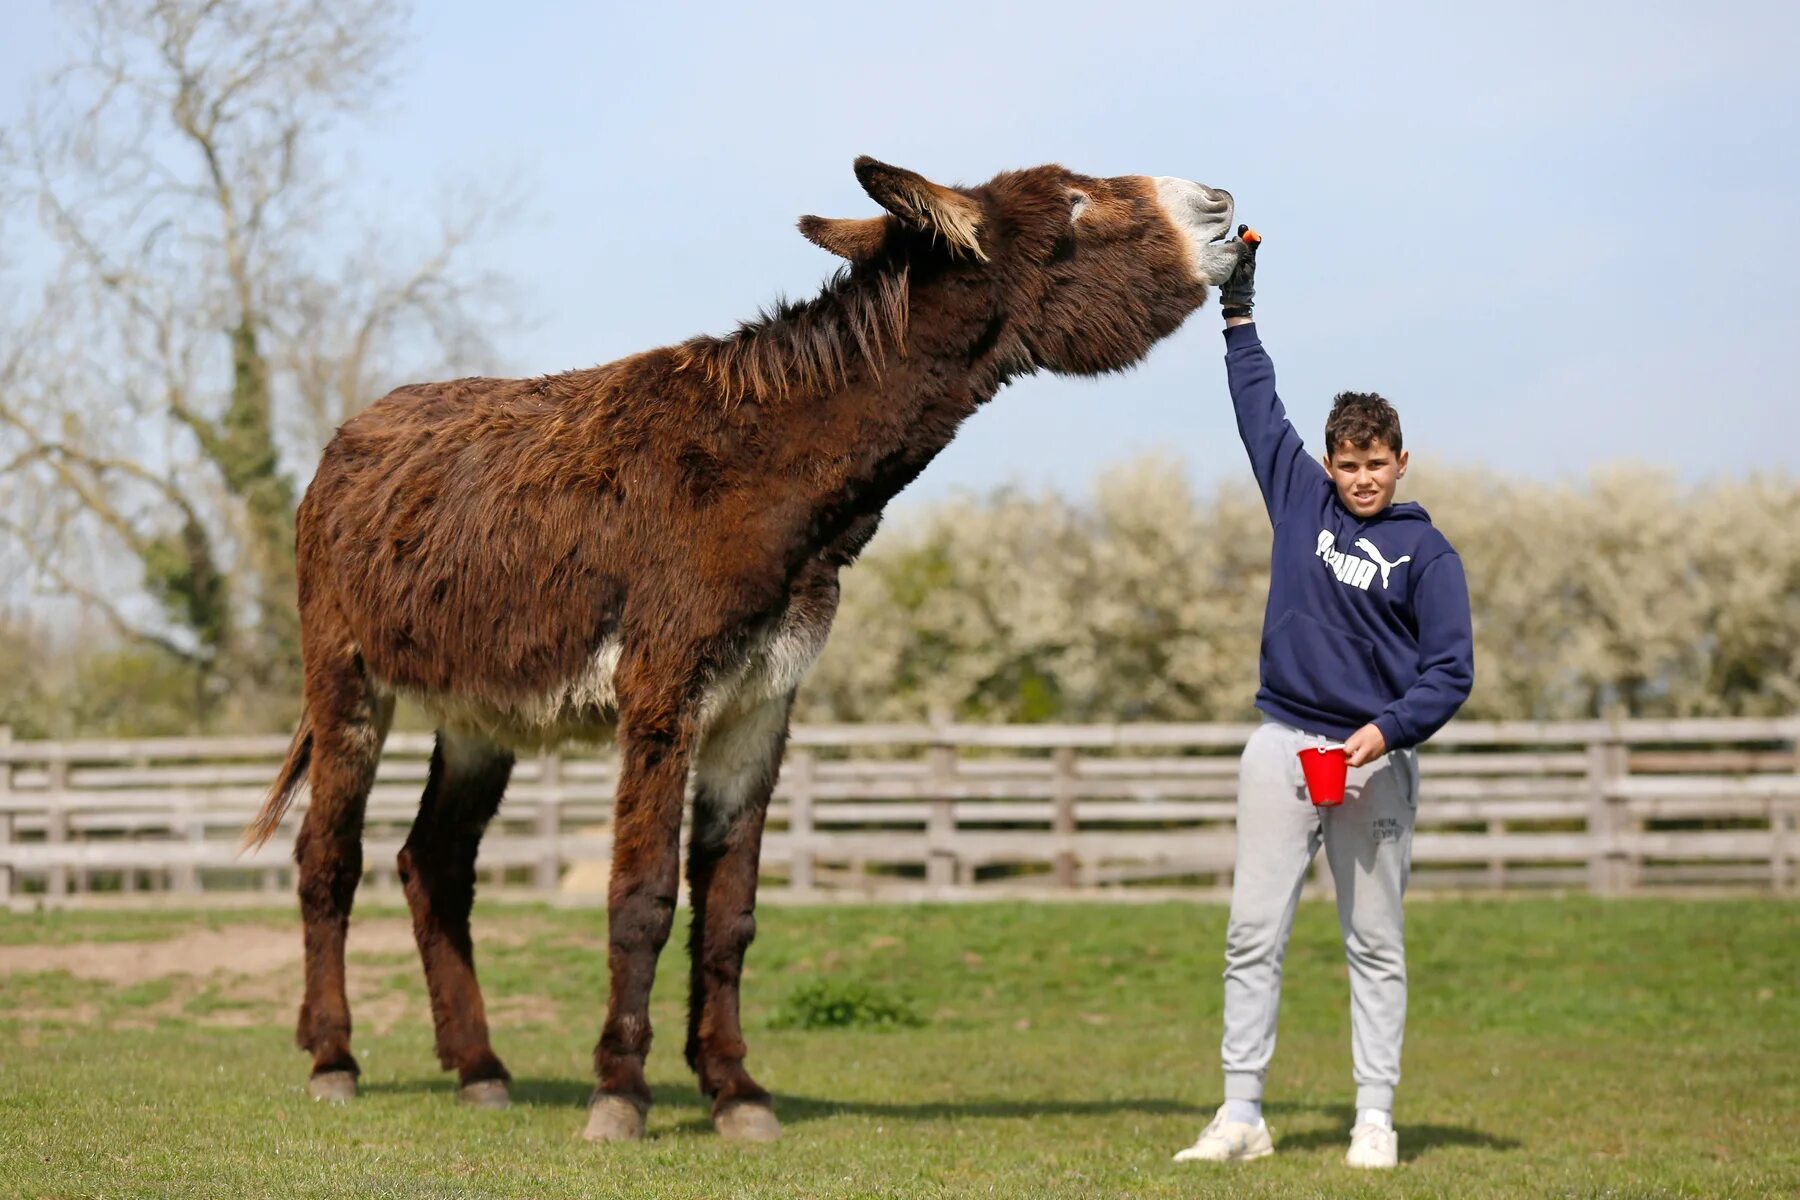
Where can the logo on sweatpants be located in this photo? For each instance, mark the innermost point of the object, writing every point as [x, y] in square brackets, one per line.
[1387, 829]
[1354, 571]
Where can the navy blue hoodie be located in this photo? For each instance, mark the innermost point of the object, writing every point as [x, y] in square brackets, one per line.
[1367, 620]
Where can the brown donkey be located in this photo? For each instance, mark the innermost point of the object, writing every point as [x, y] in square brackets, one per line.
[650, 550]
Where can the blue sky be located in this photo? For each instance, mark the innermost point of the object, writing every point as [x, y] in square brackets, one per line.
[1556, 235]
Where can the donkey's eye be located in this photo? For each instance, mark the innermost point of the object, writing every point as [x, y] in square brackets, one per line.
[1078, 202]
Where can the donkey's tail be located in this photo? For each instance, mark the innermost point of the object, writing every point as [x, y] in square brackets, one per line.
[293, 771]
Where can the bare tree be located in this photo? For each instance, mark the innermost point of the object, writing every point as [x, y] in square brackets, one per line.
[195, 337]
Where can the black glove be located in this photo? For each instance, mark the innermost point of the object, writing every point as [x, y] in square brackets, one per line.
[1237, 295]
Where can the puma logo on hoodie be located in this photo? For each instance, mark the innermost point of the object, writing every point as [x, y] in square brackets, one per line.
[1351, 570]
[1354, 571]
[1368, 547]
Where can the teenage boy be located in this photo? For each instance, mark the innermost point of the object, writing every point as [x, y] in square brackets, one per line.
[1366, 641]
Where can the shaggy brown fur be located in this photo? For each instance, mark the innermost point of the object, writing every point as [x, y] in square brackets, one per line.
[651, 548]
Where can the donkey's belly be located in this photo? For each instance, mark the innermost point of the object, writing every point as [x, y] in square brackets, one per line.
[580, 708]
[584, 707]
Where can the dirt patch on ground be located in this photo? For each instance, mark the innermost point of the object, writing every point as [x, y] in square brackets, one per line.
[524, 1010]
[240, 975]
[234, 950]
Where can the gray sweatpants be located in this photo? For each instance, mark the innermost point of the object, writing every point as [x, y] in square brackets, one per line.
[1368, 843]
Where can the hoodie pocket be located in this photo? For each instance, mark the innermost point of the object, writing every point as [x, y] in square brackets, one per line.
[1320, 667]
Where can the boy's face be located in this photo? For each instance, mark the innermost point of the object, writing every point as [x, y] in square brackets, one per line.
[1365, 476]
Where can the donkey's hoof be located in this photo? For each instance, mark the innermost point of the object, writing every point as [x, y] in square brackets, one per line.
[485, 1093]
[614, 1119]
[747, 1121]
[333, 1087]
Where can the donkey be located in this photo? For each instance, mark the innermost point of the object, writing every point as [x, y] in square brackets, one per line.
[649, 550]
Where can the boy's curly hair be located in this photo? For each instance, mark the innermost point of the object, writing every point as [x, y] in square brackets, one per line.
[1361, 418]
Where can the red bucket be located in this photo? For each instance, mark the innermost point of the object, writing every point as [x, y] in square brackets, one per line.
[1325, 768]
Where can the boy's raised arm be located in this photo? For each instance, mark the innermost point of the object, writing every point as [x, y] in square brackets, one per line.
[1277, 457]
[1276, 454]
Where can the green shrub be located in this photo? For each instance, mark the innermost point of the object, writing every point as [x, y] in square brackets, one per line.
[845, 1004]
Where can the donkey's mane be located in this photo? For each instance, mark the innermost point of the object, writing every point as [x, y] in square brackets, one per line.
[809, 345]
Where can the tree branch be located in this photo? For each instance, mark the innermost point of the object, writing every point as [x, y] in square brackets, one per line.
[93, 600]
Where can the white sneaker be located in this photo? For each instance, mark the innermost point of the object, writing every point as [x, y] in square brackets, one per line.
[1373, 1148]
[1230, 1141]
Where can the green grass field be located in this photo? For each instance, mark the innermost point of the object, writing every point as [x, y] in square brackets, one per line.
[1555, 1048]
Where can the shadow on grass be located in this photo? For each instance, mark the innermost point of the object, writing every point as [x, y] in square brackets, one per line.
[694, 1112]
[572, 1093]
[809, 1108]
[1415, 1139]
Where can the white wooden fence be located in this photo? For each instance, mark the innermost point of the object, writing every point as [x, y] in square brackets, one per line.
[942, 810]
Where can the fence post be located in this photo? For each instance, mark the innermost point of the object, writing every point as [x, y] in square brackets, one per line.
[1609, 872]
[271, 879]
[56, 825]
[193, 825]
[798, 775]
[1599, 877]
[1496, 870]
[1062, 816]
[940, 825]
[1784, 818]
[549, 825]
[1626, 861]
[6, 816]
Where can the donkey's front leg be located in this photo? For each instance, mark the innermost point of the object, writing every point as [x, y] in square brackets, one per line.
[655, 745]
[733, 776]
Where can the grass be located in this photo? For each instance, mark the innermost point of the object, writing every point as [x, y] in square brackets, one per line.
[1555, 1048]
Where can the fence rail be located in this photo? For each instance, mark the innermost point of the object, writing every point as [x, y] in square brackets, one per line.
[945, 810]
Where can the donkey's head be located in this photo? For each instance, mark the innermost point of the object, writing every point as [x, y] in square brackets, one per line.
[1055, 270]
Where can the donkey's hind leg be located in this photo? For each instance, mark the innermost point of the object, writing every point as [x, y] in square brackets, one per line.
[350, 721]
[437, 865]
[734, 775]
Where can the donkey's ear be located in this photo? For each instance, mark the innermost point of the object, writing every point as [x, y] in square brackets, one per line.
[858, 240]
[923, 204]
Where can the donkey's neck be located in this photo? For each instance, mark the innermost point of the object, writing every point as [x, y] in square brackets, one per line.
[890, 431]
[853, 447]
[839, 403]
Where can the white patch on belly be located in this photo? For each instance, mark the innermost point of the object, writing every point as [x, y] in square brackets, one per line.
[585, 707]
[781, 658]
[582, 708]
